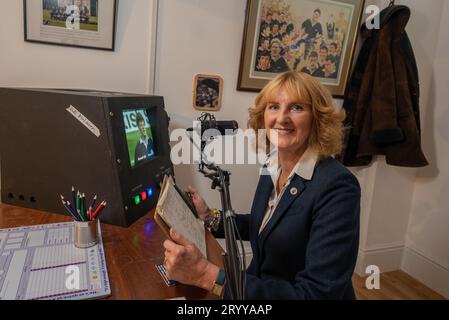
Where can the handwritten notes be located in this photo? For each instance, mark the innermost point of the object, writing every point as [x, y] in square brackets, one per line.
[176, 213]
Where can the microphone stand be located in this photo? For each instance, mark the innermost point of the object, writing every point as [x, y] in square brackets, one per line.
[234, 263]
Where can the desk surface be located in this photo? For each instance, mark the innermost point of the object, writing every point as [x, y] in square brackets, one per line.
[131, 254]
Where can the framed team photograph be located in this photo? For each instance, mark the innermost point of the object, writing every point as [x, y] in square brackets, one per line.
[207, 91]
[317, 37]
[76, 23]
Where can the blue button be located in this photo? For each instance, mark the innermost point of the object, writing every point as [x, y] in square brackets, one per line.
[150, 192]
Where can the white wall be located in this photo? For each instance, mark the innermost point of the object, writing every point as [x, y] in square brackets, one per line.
[387, 192]
[199, 36]
[427, 253]
[128, 69]
[403, 215]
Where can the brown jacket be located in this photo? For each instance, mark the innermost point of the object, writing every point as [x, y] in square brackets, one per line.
[382, 100]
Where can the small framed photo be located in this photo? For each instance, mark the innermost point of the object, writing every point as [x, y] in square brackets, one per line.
[207, 92]
[317, 37]
[75, 23]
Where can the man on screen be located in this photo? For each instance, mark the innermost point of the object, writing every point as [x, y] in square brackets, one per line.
[144, 146]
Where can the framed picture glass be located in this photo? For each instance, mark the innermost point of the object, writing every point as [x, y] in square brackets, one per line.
[77, 23]
[317, 37]
[207, 91]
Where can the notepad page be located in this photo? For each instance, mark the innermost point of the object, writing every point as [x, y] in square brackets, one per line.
[178, 215]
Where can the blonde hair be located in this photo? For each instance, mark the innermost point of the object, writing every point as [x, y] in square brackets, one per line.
[326, 136]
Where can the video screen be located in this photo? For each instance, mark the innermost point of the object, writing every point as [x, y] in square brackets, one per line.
[139, 136]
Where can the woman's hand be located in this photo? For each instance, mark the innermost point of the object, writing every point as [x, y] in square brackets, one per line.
[202, 209]
[186, 264]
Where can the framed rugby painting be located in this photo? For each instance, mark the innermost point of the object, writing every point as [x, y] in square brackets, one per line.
[317, 37]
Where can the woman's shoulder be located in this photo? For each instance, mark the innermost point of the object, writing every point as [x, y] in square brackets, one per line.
[329, 170]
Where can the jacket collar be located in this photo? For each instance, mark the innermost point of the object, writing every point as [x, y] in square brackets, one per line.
[143, 140]
[398, 12]
[304, 168]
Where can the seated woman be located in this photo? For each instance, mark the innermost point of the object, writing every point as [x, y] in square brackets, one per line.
[304, 221]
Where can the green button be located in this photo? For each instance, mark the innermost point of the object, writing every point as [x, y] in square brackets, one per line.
[137, 200]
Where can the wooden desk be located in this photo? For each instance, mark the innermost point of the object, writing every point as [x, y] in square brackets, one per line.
[131, 254]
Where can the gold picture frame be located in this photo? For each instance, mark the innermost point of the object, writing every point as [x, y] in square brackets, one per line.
[302, 35]
[207, 92]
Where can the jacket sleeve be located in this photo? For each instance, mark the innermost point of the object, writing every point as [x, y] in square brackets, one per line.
[383, 102]
[331, 251]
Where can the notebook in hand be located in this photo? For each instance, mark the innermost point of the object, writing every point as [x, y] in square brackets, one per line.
[175, 210]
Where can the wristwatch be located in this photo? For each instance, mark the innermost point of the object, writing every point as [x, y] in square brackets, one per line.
[219, 283]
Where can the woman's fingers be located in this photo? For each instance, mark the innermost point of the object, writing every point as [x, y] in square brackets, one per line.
[183, 262]
[200, 205]
[194, 194]
[191, 189]
[179, 238]
[167, 245]
[171, 246]
[173, 250]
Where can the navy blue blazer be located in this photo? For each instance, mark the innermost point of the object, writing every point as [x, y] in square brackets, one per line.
[308, 249]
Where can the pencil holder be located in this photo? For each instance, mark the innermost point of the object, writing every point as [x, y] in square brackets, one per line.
[86, 233]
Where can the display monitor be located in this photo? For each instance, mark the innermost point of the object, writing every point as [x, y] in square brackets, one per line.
[139, 136]
[94, 141]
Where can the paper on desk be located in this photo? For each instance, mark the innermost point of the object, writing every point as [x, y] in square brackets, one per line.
[177, 214]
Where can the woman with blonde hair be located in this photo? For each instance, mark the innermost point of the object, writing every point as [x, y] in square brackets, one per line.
[304, 221]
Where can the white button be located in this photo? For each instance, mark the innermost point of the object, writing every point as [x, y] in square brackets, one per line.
[293, 191]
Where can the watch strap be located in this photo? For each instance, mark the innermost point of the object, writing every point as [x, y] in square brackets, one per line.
[219, 283]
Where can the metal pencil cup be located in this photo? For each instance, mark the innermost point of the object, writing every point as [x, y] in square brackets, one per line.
[86, 233]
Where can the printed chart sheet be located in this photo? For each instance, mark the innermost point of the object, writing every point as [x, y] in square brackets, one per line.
[42, 262]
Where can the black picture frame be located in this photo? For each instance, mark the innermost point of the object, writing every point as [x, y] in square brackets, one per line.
[92, 25]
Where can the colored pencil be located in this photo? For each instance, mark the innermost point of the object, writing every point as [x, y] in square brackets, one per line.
[78, 206]
[83, 201]
[93, 202]
[65, 204]
[79, 213]
[74, 214]
[74, 198]
[99, 209]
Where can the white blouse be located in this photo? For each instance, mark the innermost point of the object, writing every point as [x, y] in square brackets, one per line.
[303, 168]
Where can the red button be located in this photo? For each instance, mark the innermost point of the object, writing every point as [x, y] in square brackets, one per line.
[143, 196]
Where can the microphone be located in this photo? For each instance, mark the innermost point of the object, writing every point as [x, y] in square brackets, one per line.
[224, 126]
